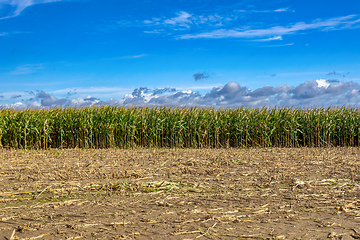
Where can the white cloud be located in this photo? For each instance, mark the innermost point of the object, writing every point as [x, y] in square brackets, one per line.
[279, 45]
[34, 104]
[11, 33]
[148, 22]
[317, 93]
[127, 57]
[329, 24]
[266, 11]
[27, 69]
[282, 10]
[217, 26]
[105, 91]
[322, 83]
[156, 31]
[88, 101]
[183, 19]
[311, 93]
[19, 5]
[269, 39]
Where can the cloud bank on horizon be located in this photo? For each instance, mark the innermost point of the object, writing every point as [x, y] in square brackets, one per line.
[318, 93]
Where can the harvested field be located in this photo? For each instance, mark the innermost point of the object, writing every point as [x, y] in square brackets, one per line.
[264, 193]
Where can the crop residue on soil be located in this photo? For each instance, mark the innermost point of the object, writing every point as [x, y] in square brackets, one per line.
[272, 193]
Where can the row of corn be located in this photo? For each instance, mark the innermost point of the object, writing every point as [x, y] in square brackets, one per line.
[109, 126]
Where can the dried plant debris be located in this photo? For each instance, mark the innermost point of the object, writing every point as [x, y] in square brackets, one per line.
[265, 193]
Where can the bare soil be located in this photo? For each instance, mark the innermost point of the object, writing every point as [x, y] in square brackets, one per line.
[272, 193]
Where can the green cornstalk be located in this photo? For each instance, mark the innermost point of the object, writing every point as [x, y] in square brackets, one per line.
[109, 126]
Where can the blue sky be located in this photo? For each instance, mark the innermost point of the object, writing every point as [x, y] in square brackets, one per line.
[226, 53]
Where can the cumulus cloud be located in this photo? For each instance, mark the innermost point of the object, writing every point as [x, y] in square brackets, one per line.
[45, 100]
[163, 90]
[140, 92]
[48, 100]
[82, 102]
[322, 83]
[269, 90]
[15, 96]
[315, 93]
[319, 93]
[143, 91]
[13, 8]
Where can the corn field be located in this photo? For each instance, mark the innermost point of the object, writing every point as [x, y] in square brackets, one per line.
[108, 126]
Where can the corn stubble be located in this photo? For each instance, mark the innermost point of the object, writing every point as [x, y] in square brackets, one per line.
[109, 126]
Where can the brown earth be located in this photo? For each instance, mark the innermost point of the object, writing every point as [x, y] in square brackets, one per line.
[273, 193]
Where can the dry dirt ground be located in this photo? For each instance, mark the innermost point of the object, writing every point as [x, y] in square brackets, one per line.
[272, 193]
